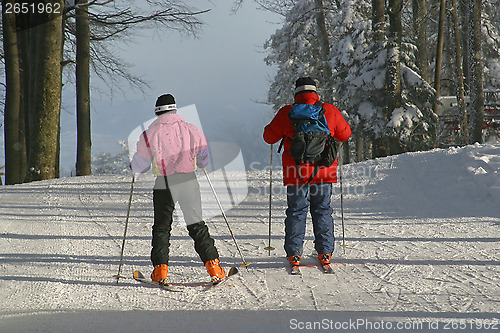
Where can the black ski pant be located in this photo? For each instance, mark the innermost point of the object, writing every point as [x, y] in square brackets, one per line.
[182, 188]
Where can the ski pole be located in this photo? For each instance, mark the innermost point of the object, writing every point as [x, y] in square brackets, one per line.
[118, 275]
[270, 248]
[245, 263]
[341, 158]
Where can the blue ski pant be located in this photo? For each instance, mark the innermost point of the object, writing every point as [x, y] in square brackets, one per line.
[316, 199]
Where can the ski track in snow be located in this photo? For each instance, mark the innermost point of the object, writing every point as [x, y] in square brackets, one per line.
[422, 231]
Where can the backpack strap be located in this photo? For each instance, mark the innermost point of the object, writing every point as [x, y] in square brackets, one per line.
[316, 168]
[313, 174]
[281, 145]
[298, 173]
[323, 110]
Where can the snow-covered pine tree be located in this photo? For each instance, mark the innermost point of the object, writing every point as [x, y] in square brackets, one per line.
[491, 45]
[295, 50]
[475, 58]
[359, 69]
[109, 164]
[359, 59]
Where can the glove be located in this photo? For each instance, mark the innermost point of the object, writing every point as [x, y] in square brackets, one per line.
[203, 158]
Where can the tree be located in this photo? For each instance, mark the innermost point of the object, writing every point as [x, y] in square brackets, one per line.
[295, 49]
[420, 19]
[460, 73]
[92, 31]
[324, 48]
[390, 109]
[475, 70]
[12, 118]
[108, 164]
[40, 48]
[327, 71]
[439, 53]
[84, 140]
[394, 68]
[379, 23]
[45, 75]
[375, 75]
[116, 23]
[491, 44]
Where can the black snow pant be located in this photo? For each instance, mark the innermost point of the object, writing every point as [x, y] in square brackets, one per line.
[182, 188]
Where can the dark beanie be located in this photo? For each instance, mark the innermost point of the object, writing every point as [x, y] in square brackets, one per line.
[165, 103]
[305, 85]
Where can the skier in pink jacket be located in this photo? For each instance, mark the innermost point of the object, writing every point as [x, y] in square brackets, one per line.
[175, 148]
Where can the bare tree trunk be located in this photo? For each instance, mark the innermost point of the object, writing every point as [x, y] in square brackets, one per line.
[325, 49]
[394, 67]
[325, 55]
[464, 128]
[84, 141]
[45, 118]
[420, 28]
[439, 54]
[380, 146]
[464, 16]
[359, 147]
[378, 20]
[476, 72]
[22, 21]
[14, 174]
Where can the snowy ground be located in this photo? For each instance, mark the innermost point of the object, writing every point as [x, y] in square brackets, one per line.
[422, 231]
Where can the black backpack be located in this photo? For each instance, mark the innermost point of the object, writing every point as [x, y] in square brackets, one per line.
[312, 141]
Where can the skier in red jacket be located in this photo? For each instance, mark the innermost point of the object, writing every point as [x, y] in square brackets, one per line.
[315, 194]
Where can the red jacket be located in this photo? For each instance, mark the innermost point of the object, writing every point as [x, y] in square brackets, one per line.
[281, 126]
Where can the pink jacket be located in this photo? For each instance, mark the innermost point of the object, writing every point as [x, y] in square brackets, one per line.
[172, 145]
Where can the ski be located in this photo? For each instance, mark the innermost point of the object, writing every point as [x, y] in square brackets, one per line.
[232, 271]
[327, 269]
[295, 270]
[138, 276]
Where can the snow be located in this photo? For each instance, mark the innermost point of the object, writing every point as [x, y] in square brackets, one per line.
[422, 231]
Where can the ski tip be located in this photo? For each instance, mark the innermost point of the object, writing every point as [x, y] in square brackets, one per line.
[295, 270]
[233, 270]
[138, 275]
[327, 268]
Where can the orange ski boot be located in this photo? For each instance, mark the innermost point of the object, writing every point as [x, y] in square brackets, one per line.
[324, 258]
[294, 260]
[216, 272]
[160, 274]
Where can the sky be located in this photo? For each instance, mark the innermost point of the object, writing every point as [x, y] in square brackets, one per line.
[222, 72]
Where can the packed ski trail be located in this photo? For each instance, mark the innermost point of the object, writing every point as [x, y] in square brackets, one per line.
[422, 231]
